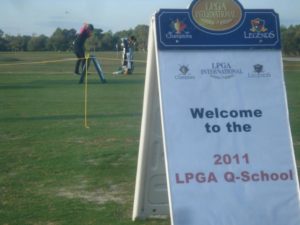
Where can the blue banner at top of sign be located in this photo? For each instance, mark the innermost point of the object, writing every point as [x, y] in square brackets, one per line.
[217, 24]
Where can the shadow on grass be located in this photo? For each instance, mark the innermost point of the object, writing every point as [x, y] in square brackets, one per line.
[126, 81]
[68, 117]
[116, 81]
[38, 84]
[9, 59]
[44, 83]
[19, 86]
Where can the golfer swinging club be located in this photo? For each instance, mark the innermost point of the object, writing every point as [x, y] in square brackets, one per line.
[84, 33]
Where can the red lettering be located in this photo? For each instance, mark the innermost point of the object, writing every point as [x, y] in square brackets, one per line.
[188, 177]
[212, 178]
[178, 181]
[200, 177]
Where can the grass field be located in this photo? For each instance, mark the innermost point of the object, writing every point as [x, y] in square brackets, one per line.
[54, 171]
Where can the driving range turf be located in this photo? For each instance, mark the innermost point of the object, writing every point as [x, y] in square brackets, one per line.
[54, 170]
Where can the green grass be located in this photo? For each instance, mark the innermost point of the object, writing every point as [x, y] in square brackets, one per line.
[53, 170]
[292, 77]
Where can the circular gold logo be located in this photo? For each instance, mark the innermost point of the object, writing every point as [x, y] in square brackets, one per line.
[217, 15]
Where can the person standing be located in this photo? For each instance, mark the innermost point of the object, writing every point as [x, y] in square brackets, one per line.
[84, 33]
[128, 45]
[128, 50]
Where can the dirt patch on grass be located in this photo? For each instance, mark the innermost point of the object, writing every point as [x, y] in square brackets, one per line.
[98, 196]
[43, 223]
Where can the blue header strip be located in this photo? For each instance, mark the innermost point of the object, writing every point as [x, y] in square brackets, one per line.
[256, 29]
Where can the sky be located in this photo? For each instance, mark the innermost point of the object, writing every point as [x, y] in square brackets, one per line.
[36, 17]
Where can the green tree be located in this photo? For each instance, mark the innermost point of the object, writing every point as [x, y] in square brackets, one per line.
[94, 42]
[297, 39]
[61, 39]
[291, 40]
[121, 34]
[141, 34]
[3, 42]
[107, 41]
[283, 34]
[70, 36]
[18, 43]
[38, 43]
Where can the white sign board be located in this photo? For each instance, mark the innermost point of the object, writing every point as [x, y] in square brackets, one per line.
[225, 129]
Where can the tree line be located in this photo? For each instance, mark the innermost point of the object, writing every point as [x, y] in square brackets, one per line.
[291, 40]
[62, 40]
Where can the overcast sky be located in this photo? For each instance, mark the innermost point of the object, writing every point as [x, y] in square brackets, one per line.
[44, 16]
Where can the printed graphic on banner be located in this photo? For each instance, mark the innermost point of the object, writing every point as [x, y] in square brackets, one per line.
[221, 70]
[178, 30]
[217, 15]
[227, 131]
[217, 24]
[259, 31]
[259, 72]
[258, 26]
[184, 73]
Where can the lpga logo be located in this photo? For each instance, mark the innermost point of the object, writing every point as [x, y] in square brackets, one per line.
[221, 70]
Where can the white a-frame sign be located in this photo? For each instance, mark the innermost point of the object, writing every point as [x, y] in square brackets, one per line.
[216, 146]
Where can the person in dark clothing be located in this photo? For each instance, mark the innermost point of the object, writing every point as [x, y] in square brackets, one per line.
[128, 50]
[128, 45]
[84, 33]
